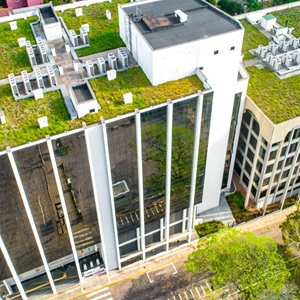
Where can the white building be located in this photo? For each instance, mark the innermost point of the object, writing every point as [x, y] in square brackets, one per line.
[50, 23]
[84, 99]
[168, 49]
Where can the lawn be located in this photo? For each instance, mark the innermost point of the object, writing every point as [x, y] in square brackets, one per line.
[252, 38]
[104, 33]
[13, 58]
[278, 98]
[110, 94]
[21, 116]
[292, 15]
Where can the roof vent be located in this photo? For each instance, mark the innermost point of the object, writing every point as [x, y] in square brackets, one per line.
[181, 15]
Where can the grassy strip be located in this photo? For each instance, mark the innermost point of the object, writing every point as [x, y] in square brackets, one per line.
[13, 58]
[278, 98]
[21, 116]
[292, 15]
[252, 38]
[104, 33]
[110, 94]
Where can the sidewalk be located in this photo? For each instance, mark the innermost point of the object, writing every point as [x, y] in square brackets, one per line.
[95, 283]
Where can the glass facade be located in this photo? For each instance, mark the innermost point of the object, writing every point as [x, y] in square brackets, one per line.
[121, 136]
[204, 135]
[70, 152]
[14, 225]
[154, 148]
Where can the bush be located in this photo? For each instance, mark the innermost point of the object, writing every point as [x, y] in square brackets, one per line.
[231, 7]
[208, 228]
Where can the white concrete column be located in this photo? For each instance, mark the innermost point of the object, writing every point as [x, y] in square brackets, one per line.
[195, 163]
[105, 142]
[140, 179]
[138, 239]
[288, 182]
[161, 223]
[254, 162]
[12, 269]
[64, 206]
[30, 218]
[168, 170]
[88, 148]
[183, 220]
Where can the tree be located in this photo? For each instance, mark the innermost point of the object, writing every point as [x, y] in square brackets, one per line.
[254, 5]
[250, 264]
[231, 7]
[290, 230]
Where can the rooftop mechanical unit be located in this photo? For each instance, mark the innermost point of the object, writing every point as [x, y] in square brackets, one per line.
[84, 36]
[90, 68]
[26, 81]
[112, 61]
[39, 78]
[123, 58]
[42, 50]
[13, 85]
[51, 75]
[73, 38]
[30, 53]
[101, 65]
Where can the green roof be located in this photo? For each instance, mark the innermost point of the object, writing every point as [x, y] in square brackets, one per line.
[278, 98]
[269, 17]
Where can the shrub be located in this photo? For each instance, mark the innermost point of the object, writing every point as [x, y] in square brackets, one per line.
[208, 228]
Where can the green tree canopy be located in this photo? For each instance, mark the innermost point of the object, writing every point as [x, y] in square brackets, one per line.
[291, 230]
[250, 264]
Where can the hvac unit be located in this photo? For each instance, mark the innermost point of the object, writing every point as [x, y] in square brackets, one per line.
[13, 84]
[270, 46]
[275, 50]
[51, 75]
[90, 68]
[73, 38]
[112, 61]
[285, 47]
[288, 61]
[281, 43]
[101, 65]
[263, 52]
[122, 56]
[295, 43]
[268, 58]
[277, 64]
[84, 36]
[39, 78]
[258, 50]
[26, 81]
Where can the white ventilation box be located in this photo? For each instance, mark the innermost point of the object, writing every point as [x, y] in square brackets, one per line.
[13, 25]
[22, 42]
[181, 15]
[78, 12]
[127, 98]
[43, 122]
[38, 94]
[2, 117]
[108, 14]
[111, 74]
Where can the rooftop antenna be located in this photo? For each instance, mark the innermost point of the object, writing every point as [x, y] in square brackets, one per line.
[138, 15]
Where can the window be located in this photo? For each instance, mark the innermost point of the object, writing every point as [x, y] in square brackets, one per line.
[272, 155]
[92, 110]
[266, 181]
[232, 48]
[288, 162]
[216, 52]
[253, 141]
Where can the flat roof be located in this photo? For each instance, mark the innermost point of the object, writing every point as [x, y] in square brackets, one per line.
[48, 14]
[203, 21]
[82, 93]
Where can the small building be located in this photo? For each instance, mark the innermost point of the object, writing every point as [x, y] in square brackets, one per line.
[268, 21]
[50, 23]
[84, 99]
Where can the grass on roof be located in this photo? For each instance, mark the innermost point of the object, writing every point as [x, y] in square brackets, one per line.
[21, 117]
[252, 38]
[14, 59]
[110, 93]
[292, 15]
[278, 98]
[104, 33]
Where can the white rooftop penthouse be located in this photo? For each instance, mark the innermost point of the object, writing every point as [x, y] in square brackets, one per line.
[173, 39]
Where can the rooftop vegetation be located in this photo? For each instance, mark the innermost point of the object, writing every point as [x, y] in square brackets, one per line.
[104, 33]
[13, 58]
[278, 98]
[22, 116]
[252, 38]
[292, 15]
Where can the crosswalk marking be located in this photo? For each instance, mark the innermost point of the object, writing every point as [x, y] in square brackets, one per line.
[97, 292]
[102, 296]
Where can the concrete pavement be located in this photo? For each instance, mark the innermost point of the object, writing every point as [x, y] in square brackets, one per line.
[96, 283]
